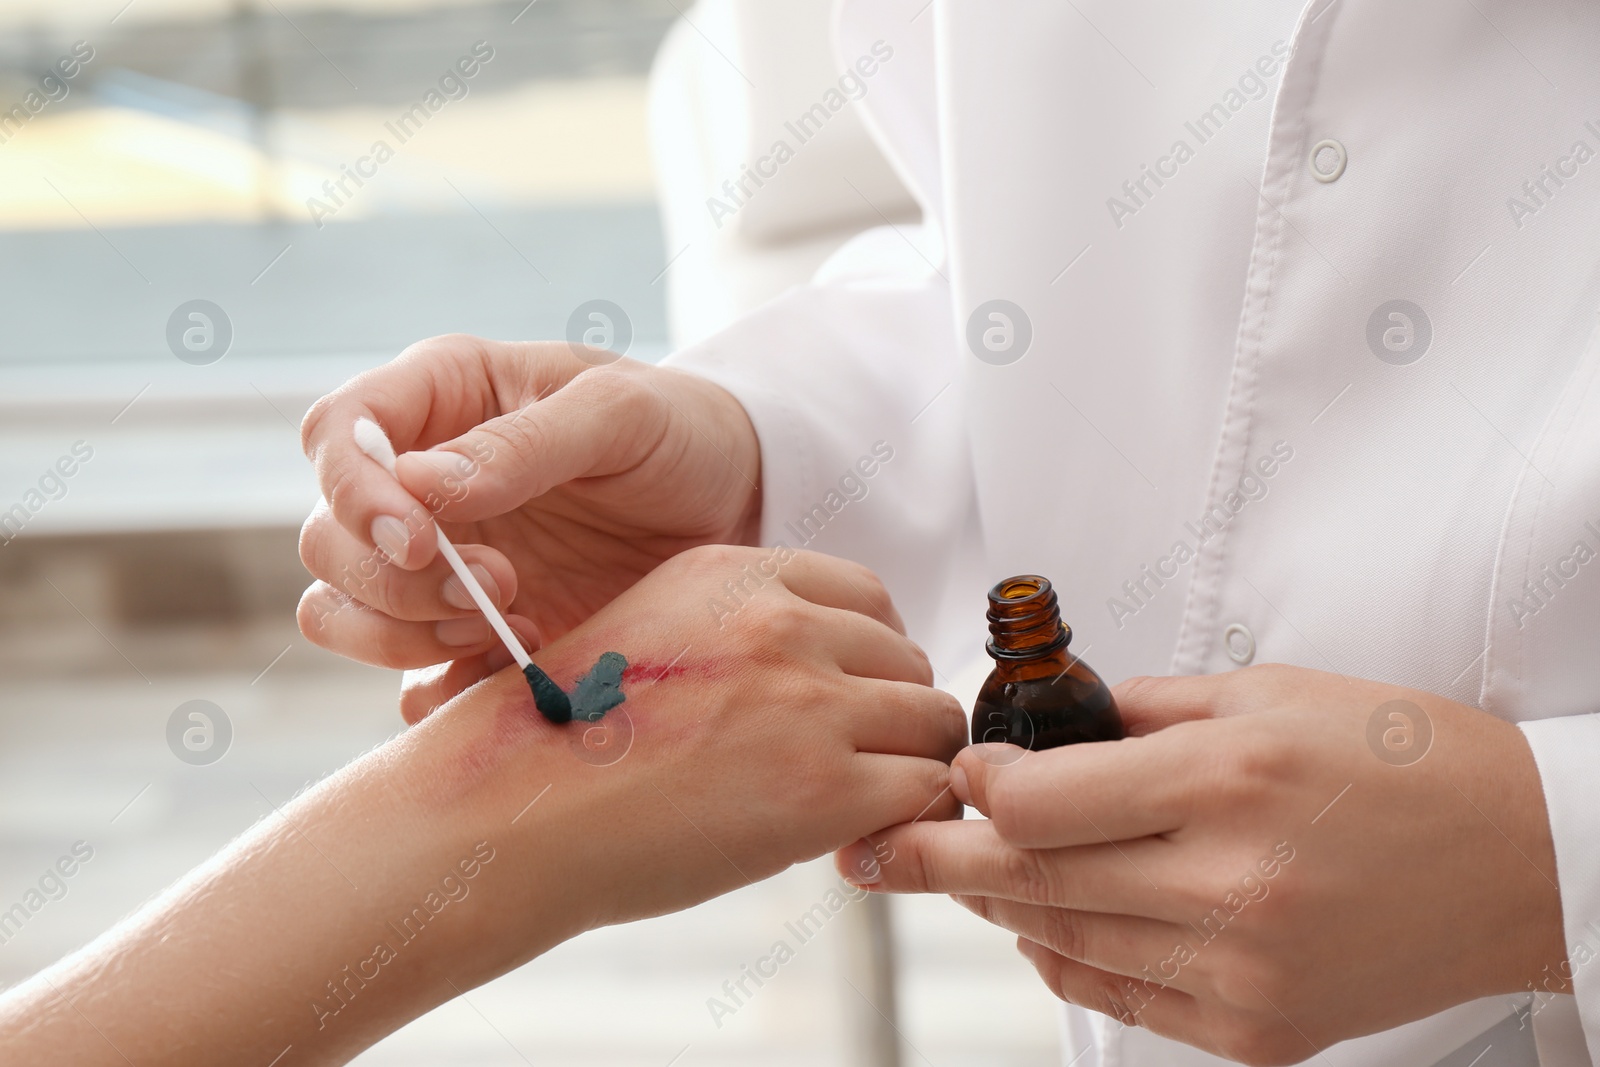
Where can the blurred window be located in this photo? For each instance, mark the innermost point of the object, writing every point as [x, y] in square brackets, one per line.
[335, 179]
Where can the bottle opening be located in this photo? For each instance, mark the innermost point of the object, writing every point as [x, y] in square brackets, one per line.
[1024, 619]
[1021, 588]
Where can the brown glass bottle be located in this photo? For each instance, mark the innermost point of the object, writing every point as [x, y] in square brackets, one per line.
[1039, 695]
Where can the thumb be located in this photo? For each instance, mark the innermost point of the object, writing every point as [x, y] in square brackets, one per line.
[604, 421]
[1146, 705]
[976, 768]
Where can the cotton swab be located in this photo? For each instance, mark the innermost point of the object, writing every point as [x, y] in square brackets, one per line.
[371, 439]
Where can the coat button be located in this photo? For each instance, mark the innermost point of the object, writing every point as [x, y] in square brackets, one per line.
[1241, 643]
[1327, 160]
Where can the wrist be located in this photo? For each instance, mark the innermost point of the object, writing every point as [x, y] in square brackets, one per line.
[1511, 798]
[488, 774]
[735, 437]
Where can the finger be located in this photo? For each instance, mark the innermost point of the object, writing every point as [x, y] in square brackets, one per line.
[1083, 794]
[906, 719]
[433, 391]
[341, 624]
[587, 425]
[865, 648]
[840, 583]
[897, 790]
[388, 520]
[426, 689]
[1122, 944]
[1148, 704]
[333, 554]
[969, 858]
[1131, 1001]
[353, 630]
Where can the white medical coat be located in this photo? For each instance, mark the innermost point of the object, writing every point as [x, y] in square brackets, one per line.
[1355, 244]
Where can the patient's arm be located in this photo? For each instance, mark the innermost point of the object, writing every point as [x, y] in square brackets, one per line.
[485, 835]
[280, 939]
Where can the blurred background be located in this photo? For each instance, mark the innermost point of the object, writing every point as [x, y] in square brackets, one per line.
[181, 276]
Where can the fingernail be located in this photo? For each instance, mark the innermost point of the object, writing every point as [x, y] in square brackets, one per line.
[389, 534]
[455, 591]
[958, 784]
[459, 633]
[861, 864]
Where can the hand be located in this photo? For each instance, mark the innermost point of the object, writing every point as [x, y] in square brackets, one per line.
[747, 741]
[485, 836]
[1284, 860]
[562, 473]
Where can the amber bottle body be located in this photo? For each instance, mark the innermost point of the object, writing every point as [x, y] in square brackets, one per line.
[1039, 694]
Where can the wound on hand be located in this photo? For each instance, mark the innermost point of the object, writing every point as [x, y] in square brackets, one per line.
[595, 694]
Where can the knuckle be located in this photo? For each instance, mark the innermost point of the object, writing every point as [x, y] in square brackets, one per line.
[783, 609]
[513, 435]
[1139, 689]
[780, 624]
[867, 583]
[613, 382]
[313, 543]
[1260, 685]
[389, 646]
[439, 347]
[1205, 890]
[1232, 767]
[914, 867]
[1248, 768]
[983, 907]
[1256, 1041]
[953, 718]
[930, 782]
[1068, 933]
[1268, 673]
[1108, 996]
[924, 665]
[317, 603]
[1028, 878]
[715, 560]
[617, 388]
[340, 490]
[1243, 979]
[314, 417]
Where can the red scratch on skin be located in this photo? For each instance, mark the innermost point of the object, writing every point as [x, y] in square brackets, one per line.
[655, 672]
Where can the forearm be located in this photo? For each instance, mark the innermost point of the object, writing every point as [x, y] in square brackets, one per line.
[342, 915]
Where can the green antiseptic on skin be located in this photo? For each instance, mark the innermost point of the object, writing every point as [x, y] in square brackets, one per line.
[595, 694]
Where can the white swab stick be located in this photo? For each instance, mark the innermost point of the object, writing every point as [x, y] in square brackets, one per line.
[481, 598]
[371, 439]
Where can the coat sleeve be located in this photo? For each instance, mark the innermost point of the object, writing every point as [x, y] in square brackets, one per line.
[1567, 751]
[851, 384]
[853, 381]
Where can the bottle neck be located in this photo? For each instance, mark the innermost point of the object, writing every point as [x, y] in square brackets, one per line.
[1025, 620]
